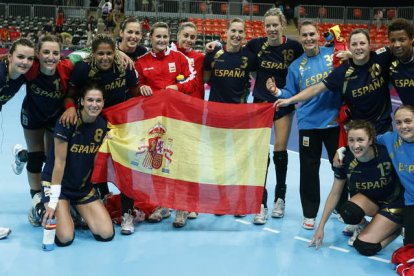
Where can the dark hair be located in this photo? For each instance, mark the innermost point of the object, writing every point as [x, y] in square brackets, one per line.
[92, 85]
[361, 124]
[159, 25]
[102, 39]
[404, 106]
[23, 42]
[130, 19]
[48, 38]
[401, 24]
[360, 31]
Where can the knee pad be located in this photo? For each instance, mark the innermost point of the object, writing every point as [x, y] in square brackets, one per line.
[35, 161]
[351, 213]
[367, 248]
[99, 237]
[64, 244]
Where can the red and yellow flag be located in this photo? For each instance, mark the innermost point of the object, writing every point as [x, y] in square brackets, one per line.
[181, 152]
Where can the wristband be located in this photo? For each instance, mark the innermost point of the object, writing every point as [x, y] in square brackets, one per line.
[69, 104]
[277, 92]
[54, 195]
[341, 152]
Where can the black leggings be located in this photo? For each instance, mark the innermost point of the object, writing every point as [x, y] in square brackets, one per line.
[408, 221]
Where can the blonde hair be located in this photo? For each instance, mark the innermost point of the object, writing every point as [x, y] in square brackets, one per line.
[276, 12]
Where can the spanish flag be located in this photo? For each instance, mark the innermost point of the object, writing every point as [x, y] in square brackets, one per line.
[184, 153]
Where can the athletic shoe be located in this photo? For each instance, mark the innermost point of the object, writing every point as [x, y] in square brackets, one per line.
[138, 215]
[278, 208]
[33, 218]
[308, 223]
[358, 229]
[20, 158]
[35, 212]
[239, 216]
[192, 215]
[180, 219]
[4, 232]
[127, 224]
[261, 217]
[159, 214]
[349, 230]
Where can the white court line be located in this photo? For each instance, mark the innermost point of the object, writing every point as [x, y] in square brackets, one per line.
[379, 259]
[271, 230]
[302, 239]
[243, 221]
[339, 249]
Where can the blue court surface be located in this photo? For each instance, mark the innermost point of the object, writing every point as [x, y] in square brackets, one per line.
[206, 246]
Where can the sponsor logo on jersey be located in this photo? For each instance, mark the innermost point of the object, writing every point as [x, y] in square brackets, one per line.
[171, 67]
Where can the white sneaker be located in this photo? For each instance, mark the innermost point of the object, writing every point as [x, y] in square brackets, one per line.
[358, 229]
[127, 224]
[18, 163]
[159, 214]
[261, 217]
[192, 215]
[349, 230]
[180, 219]
[308, 223]
[33, 216]
[4, 232]
[278, 208]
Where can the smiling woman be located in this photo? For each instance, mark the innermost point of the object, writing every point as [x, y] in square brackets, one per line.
[375, 192]
[160, 67]
[42, 106]
[65, 183]
[363, 83]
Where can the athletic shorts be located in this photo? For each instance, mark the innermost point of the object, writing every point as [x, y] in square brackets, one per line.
[283, 111]
[30, 120]
[84, 195]
[393, 211]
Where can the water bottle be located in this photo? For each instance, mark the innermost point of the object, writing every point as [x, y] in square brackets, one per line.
[49, 233]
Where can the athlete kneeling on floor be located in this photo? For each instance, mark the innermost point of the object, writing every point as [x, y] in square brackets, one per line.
[66, 175]
[376, 191]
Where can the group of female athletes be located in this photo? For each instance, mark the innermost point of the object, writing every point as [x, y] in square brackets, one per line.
[61, 110]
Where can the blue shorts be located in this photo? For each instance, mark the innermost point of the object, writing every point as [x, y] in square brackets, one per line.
[84, 195]
[393, 210]
[283, 111]
[30, 118]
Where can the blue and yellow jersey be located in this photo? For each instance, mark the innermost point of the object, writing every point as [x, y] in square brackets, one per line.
[44, 97]
[229, 75]
[402, 77]
[375, 179]
[8, 87]
[116, 84]
[320, 111]
[83, 141]
[272, 61]
[402, 156]
[365, 89]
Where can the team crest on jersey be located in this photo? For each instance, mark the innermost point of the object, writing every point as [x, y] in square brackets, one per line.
[171, 67]
[375, 70]
[154, 151]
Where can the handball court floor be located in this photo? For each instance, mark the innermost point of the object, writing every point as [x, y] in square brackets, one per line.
[209, 245]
